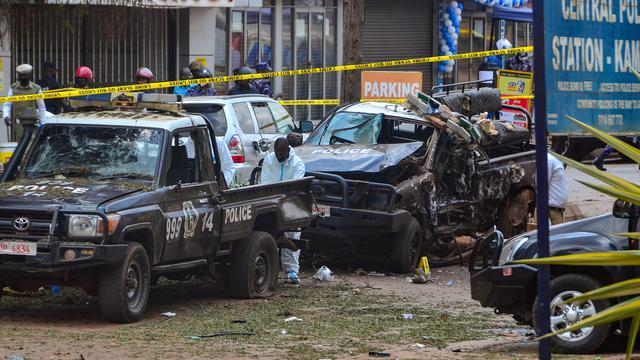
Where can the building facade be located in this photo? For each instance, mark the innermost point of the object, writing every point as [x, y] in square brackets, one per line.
[227, 34]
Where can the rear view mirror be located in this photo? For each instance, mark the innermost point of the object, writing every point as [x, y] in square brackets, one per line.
[624, 210]
[306, 126]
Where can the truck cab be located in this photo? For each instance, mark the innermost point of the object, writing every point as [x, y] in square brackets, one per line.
[109, 199]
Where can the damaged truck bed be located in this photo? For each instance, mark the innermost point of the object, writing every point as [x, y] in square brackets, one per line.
[392, 186]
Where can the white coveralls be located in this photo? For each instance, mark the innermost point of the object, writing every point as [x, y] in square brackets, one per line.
[275, 171]
[226, 162]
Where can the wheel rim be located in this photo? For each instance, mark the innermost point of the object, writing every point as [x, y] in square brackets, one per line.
[261, 272]
[565, 315]
[134, 285]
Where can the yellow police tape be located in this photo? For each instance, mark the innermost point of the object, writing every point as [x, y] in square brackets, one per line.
[310, 102]
[394, 101]
[168, 84]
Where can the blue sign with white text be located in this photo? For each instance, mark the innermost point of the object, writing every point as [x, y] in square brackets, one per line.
[589, 46]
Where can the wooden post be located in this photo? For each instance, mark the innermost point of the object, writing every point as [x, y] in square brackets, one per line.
[352, 49]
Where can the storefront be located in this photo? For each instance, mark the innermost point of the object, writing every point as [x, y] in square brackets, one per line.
[287, 34]
[480, 30]
[402, 29]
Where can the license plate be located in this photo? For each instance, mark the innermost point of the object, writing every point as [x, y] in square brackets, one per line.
[18, 248]
[323, 210]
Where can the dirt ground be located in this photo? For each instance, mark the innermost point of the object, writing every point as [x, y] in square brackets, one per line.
[346, 318]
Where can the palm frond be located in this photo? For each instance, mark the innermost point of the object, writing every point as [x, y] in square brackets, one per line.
[633, 332]
[619, 289]
[617, 312]
[635, 72]
[609, 258]
[600, 175]
[632, 197]
[633, 235]
[626, 149]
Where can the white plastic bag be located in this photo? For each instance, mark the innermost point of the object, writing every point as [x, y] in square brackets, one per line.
[323, 274]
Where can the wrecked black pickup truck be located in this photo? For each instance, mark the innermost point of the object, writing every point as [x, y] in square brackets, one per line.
[110, 200]
[392, 186]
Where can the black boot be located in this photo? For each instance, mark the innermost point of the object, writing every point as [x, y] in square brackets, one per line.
[599, 162]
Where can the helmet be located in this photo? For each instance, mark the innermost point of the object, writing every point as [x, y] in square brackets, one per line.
[263, 67]
[84, 72]
[144, 73]
[186, 74]
[245, 71]
[205, 73]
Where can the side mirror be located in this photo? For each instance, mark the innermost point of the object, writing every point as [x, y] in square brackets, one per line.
[306, 126]
[624, 210]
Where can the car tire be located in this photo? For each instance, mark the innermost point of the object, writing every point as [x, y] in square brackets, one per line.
[124, 290]
[254, 267]
[407, 246]
[586, 340]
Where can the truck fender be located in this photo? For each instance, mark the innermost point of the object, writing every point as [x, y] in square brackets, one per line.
[142, 233]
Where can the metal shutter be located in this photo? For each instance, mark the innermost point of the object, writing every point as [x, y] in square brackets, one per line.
[112, 40]
[399, 29]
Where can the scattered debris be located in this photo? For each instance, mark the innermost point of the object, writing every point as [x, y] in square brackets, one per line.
[418, 345]
[283, 332]
[168, 314]
[379, 354]
[223, 333]
[420, 278]
[375, 273]
[323, 274]
[407, 316]
[14, 357]
[56, 290]
[238, 321]
[450, 283]
[292, 318]
[456, 350]
[356, 291]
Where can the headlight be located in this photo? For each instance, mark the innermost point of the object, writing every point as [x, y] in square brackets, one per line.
[509, 249]
[84, 226]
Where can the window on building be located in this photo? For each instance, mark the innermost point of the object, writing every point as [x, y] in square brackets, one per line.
[222, 44]
[251, 36]
[309, 41]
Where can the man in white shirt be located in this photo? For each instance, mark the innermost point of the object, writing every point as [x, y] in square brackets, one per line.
[558, 189]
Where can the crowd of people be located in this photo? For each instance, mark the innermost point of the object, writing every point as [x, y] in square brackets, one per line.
[84, 79]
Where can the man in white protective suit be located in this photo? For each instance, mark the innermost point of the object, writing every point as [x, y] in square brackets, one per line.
[282, 165]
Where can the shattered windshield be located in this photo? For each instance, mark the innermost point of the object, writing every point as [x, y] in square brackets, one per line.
[92, 151]
[348, 128]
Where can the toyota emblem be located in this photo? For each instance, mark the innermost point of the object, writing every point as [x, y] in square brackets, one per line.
[21, 223]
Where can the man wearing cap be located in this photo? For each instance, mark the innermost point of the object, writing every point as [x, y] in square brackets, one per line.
[49, 82]
[26, 112]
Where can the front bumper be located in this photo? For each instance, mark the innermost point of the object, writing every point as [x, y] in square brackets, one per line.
[502, 286]
[346, 223]
[50, 258]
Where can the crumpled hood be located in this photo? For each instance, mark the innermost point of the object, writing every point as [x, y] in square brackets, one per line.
[354, 157]
[69, 191]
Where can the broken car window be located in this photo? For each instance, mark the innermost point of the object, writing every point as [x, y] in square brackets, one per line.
[92, 151]
[349, 128]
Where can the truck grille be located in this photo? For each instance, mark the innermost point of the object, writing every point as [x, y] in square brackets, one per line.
[39, 223]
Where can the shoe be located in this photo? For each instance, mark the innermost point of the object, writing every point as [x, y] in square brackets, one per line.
[292, 278]
[599, 164]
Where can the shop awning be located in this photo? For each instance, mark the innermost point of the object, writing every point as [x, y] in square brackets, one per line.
[516, 14]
